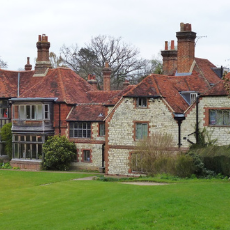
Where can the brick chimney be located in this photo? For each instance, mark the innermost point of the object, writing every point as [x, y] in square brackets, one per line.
[42, 62]
[186, 48]
[28, 66]
[126, 84]
[92, 81]
[169, 59]
[106, 76]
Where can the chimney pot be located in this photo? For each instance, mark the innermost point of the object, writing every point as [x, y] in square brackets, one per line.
[166, 45]
[39, 38]
[181, 26]
[172, 45]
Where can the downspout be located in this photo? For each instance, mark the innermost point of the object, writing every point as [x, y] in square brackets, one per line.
[18, 84]
[197, 120]
[103, 156]
[59, 122]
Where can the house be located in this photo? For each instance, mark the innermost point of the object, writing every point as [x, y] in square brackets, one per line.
[105, 125]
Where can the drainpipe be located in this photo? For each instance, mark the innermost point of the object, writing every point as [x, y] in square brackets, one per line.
[197, 119]
[18, 83]
[103, 156]
[179, 117]
[59, 119]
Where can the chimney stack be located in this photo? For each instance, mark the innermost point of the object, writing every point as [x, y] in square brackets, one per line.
[92, 81]
[42, 62]
[106, 76]
[28, 66]
[126, 84]
[186, 48]
[169, 59]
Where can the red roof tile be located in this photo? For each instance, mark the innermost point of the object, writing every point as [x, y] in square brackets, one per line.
[87, 112]
[9, 82]
[205, 68]
[62, 83]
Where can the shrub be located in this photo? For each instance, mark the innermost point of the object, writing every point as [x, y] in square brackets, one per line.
[6, 136]
[154, 155]
[5, 165]
[59, 153]
[148, 150]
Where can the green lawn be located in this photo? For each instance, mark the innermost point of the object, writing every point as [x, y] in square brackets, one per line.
[51, 200]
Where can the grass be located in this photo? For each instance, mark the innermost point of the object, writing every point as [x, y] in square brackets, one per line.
[52, 200]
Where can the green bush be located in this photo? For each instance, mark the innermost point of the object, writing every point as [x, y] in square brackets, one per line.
[5, 165]
[217, 159]
[6, 136]
[59, 153]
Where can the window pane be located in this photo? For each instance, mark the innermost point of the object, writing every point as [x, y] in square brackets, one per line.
[16, 112]
[226, 117]
[219, 117]
[33, 112]
[138, 131]
[144, 130]
[39, 151]
[86, 155]
[39, 112]
[212, 117]
[16, 150]
[28, 116]
[34, 151]
[102, 129]
[144, 102]
[22, 112]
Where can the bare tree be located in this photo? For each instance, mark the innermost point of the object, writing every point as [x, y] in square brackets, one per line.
[55, 60]
[123, 59]
[3, 64]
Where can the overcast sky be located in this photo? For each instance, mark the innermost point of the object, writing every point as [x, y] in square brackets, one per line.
[146, 24]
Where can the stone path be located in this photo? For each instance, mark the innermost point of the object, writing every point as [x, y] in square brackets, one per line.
[86, 178]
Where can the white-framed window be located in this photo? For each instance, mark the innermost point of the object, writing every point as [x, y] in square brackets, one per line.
[31, 112]
[141, 130]
[80, 129]
[193, 97]
[219, 117]
[141, 102]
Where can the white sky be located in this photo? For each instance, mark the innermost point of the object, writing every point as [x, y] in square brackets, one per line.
[146, 24]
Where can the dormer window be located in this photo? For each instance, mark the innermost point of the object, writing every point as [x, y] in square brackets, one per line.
[141, 102]
[189, 96]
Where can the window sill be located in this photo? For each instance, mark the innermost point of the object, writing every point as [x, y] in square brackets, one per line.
[219, 126]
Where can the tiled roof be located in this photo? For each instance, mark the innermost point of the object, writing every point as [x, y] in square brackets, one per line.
[9, 82]
[219, 89]
[170, 87]
[205, 68]
[62, 83]
[87, 112]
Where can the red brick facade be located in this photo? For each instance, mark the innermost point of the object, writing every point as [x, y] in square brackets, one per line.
[186, 48]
